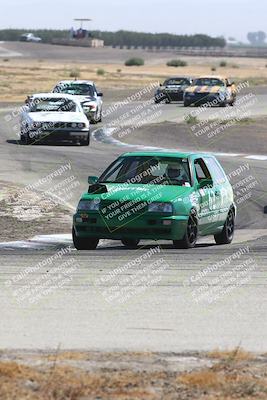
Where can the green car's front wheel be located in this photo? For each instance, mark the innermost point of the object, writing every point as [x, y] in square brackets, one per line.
[130, 243]
[190, 237]
[84, 243]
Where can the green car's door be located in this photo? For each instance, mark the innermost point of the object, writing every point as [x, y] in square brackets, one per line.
[222, 189]
[205, 195]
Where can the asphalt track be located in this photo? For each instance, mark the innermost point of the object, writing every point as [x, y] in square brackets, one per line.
[55, 53]
[194, 304]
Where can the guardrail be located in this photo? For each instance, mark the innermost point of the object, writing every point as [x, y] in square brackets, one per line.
[204, 51]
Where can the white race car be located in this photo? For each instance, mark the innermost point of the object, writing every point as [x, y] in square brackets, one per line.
[30, 37]
[87, 94]
[53, 116]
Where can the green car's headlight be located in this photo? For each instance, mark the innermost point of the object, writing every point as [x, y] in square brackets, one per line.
[160, 207]
[88, 205]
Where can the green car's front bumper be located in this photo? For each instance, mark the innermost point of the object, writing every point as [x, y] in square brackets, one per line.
[156, 227]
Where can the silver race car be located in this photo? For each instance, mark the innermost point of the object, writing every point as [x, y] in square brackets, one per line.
[86, 93]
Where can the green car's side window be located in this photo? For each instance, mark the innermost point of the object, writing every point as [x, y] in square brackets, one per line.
[217, 172]
[201, 170]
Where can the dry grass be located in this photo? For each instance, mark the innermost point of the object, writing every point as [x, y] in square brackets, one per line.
[222, 382]
[235, 376]
[67, 355]
[228, 355]
[61, 382]
[206, 379]
[19, 78]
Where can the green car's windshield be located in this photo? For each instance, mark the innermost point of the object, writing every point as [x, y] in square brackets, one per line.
[176, 81]
[148, 170]
[208, 82]
[52, 104]
[77, 89]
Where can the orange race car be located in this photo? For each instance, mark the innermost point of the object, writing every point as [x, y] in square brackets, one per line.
[211, 91]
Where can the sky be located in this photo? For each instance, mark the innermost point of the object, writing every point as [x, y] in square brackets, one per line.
[214, 17]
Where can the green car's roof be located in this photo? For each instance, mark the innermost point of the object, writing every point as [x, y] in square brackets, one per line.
[162, 154]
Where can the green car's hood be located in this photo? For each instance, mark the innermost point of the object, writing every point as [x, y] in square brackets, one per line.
[141, 192]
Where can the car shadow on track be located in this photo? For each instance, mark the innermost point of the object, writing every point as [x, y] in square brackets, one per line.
[150, 246]
[58, 144]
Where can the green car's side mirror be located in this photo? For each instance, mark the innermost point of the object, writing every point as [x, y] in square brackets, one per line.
[92, 180]
[205, 184]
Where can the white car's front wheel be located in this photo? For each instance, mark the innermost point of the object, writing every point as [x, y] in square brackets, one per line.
[97, 117]
[86, 141]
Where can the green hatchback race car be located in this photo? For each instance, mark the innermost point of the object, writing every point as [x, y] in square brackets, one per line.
[157, 196]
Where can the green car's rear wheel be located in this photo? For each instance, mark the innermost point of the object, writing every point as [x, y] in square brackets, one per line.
[227, 234]
[84, 243]
[190, 237]
[130, 243]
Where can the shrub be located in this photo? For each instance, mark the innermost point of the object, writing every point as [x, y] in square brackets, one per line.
[6, 59]
[118, 70]
[223, 64]
[100, 72]
[213, 68]
[191, 119]
[75, 73]
[176, 63]
[135, 61]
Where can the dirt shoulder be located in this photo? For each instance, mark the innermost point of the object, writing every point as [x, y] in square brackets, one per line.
[96, 375]
[23, 76]
[30, 214]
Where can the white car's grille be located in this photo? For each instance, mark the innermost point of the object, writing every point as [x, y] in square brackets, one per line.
[61, 125]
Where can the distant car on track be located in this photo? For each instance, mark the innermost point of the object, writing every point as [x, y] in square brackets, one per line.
[88, 95]
[53, 116]
[172, 89]
[159, 196]
[210, 90]
[30, 37]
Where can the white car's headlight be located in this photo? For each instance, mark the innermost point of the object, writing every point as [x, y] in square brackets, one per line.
[160, 207]
[89, 205]
[90, 106]
[36, 125]
[81, 125]
[74, 125]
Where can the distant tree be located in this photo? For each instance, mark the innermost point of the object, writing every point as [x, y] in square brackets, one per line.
[256, 38]
[261, 37]
[125, 38]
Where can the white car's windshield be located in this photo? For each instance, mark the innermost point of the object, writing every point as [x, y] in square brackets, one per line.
[176, 81]
[148, 170]
[52, 104]
[78, 89]
[208, 82]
